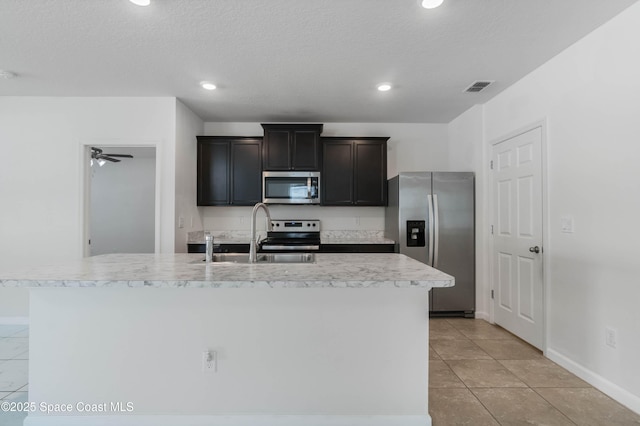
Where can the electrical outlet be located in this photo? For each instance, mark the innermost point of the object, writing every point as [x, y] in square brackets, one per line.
[180, 222]
[611, 338]
[209, 362]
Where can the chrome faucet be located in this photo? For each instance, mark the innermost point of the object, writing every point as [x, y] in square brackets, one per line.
[208, 240]
[253, 245]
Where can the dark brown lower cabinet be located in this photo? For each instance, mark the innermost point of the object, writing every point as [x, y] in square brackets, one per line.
[324, 248]
[357, 248]
[219, 248]
[229, 170]
[354, 171]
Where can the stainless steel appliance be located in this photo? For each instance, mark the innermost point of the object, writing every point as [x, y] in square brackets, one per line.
[431, 217]
[291, 187]
[292, 235]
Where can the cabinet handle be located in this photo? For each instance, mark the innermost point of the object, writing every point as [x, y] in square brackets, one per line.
[431, 228]
[436, 233]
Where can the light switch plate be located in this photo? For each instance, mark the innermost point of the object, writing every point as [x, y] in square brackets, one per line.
[566, 224]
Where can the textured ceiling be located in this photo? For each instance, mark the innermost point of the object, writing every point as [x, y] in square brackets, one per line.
[289, 60]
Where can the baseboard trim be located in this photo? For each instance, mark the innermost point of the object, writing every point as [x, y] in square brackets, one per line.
[228, 420]
[482, 315]
[621, 395]
[14, 320]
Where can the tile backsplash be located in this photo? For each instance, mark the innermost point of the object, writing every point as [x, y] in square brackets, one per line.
[197, 237]
[218, 219]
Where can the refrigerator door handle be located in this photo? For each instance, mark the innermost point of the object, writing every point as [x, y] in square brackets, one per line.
[431, 227]
[436, 235]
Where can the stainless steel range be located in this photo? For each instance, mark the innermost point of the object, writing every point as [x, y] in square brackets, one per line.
[292, 235]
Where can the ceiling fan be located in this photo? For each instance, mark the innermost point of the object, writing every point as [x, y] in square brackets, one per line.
[97, 155]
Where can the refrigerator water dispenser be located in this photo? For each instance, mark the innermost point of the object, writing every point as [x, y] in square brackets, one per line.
[415, 233]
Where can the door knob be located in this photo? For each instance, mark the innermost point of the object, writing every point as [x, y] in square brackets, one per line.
[535, 249]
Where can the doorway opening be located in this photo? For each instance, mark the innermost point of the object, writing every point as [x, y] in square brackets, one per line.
[120, 199]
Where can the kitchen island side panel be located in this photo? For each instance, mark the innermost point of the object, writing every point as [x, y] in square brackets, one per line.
[286, 351]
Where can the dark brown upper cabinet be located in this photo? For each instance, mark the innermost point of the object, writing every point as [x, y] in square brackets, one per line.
[354, 171]
[291, 147]
[229, 170]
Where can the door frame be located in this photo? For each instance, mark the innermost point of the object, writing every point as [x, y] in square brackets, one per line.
[546, 249]
[85, 188]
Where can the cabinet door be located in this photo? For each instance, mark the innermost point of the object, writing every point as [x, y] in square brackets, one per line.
[370, 174]
[337, 172]
[276, 149]
[246, 172]
[291, 146]
[213, 172]
[305, 150]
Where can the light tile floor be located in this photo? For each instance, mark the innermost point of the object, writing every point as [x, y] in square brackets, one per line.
[14, 358]
[479, 374]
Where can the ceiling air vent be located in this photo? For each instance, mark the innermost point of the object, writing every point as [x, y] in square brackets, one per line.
[477, 86]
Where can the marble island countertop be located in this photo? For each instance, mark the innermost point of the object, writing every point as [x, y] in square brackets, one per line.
[354, 270]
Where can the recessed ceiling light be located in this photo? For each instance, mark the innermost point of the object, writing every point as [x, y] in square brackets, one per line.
[141, 2]
[430, 4]
[7, 74]
[208, 85]
[384, 87]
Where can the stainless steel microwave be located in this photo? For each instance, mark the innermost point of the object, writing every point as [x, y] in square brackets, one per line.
[291, 187]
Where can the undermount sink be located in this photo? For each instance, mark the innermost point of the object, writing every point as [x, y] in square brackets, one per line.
[263, 258]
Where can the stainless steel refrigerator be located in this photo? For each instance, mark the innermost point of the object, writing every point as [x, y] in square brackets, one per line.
[431, 216]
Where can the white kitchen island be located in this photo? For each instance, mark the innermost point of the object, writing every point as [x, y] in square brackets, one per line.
[119, 340]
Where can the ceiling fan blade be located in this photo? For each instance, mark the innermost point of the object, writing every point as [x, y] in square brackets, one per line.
[120, 155]
[113, 160]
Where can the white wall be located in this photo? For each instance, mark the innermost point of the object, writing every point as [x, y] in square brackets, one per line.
[188, 126]
[41, 173]
[411, 147]
[466, 154]
[588, 96]
[465, 140]
[123, 203]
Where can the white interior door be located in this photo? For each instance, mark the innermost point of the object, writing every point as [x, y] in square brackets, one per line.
[517, 236]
